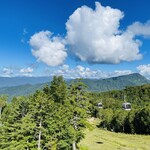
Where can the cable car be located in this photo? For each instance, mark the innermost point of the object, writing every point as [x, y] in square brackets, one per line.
[100, 105]
[126, 106]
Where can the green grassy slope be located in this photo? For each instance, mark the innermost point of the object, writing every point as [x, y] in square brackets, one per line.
[99, 139]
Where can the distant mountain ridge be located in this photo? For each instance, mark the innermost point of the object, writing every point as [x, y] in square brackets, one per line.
[32, 84]
[115, 83]
[16, 81]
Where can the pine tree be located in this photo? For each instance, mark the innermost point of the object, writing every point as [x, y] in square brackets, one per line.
[79, 103]
[12, 133]
[50, 119]
[58, 89]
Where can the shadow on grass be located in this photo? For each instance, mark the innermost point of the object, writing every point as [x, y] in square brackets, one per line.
[99, 142]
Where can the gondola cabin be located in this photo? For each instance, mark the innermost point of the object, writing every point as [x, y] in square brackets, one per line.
[126, 106]
[100, 105]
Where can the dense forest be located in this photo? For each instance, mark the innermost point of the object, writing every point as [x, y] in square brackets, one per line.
[55, 117]
[49, 119]
[114, 118]
[115, 83]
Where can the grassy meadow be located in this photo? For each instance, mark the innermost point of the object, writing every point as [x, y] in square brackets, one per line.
[99, 139]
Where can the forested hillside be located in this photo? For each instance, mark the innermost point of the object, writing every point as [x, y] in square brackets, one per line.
[57, 116]
[115, 83]
[21, 90]
[114, 118]
[95, 85]
[53, 118]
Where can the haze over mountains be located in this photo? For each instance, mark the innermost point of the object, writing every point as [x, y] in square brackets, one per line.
[16, 81]
[17, 86]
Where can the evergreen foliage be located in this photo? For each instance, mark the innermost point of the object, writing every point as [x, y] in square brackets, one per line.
[49, 119]
[54, 118]
[114, 118]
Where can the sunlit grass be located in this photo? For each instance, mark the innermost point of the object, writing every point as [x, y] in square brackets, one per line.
[99, 139]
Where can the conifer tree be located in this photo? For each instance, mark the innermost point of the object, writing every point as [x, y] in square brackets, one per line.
[79, 101]
[50, 119]
[58, 89]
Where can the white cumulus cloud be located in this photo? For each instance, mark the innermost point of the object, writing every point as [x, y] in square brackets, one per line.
[85, 72]
[78, 72]
[7, 72]
[47, 48]
[94, 36]
[144, 70]
[26, 70]
[139, 28]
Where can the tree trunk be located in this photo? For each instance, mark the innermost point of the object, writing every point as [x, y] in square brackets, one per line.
[123, 128]
[0, 112]
[27, 147]
[39, 139]
[74, 145]
[0, 115]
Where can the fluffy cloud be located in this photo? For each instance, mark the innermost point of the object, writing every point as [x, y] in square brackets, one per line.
[85, 72]
[47, 48]
[13, 71]
[138, 28]
[92, 35]
[7, 72]
[26, 72]
[144, 70]
[78, 72]
[95, 37]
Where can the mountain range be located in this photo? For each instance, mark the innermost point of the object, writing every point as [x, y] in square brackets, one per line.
[115, 83]
[17, 86]
[16, 81]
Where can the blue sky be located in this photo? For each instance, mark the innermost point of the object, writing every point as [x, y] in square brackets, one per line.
[75, 38]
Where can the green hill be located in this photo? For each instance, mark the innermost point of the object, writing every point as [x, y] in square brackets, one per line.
[115, 83]
[96, 85]
[20, 90]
